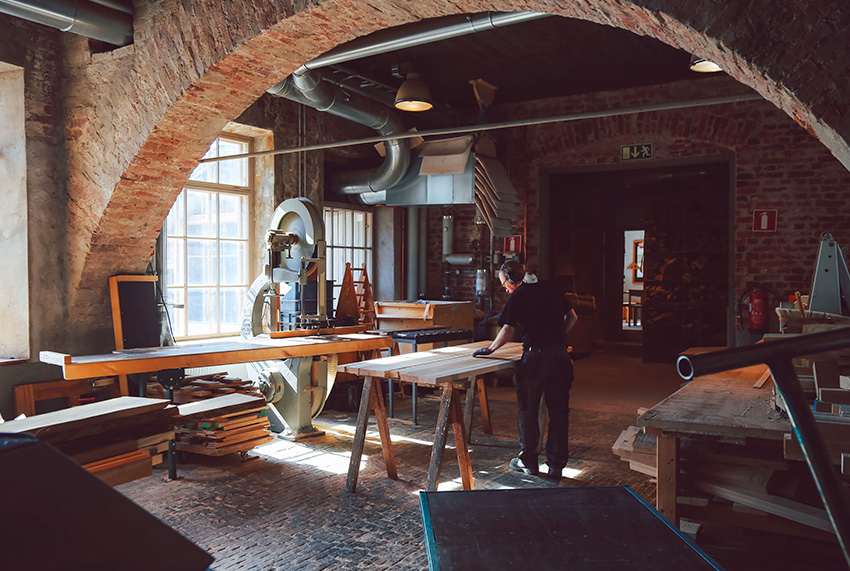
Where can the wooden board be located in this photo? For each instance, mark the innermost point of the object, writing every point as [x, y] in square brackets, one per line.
[724, 404]
[79, 417]
[385, 366]
[220, 406]
[795, 511]
[453, 361]
[239, 447]
[459, 369]
[209, 354]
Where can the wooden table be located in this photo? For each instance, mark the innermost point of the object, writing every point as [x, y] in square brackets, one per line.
[452, 369]
[147, 360]
[724, 404]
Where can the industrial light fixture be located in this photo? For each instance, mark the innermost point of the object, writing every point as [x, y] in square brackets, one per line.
[703, 65]
[413, 95]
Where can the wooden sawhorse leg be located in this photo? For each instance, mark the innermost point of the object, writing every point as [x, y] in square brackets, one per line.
[667, 465]
[371, 398]
[477, 385]
[450, 410]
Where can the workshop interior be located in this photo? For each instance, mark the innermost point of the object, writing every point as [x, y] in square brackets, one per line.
[253, 253]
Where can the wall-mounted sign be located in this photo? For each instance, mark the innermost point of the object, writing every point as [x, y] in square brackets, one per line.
[764, 220]
[633, 152]
[513, 244]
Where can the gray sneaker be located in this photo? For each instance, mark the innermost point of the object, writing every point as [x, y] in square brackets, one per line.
[518, 466]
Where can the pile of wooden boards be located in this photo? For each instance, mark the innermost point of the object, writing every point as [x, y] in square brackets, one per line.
[832, 414]
[118, 440]
[223, 425]
[200, 387]
[749, 483]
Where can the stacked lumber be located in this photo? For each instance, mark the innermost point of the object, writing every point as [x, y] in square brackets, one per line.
[223, 425]
[742, 483]
[638, 449]
[200, 387]
[118, 440]
[832, 404]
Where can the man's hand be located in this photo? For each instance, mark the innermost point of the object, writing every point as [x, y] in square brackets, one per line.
[482, 352]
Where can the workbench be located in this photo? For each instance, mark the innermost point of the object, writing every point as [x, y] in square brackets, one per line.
[129, 361]
[452, 369]
[724, 405]
[427, 335]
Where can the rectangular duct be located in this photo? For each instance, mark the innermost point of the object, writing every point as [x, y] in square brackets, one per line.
[434, 189]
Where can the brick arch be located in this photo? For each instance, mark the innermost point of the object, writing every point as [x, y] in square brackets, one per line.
[138, 125]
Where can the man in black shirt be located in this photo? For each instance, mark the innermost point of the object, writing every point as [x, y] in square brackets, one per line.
[543, 316]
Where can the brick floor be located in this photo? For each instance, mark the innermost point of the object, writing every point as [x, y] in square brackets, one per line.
[286, 506]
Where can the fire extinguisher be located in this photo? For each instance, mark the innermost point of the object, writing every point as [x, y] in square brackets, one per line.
[758, 302]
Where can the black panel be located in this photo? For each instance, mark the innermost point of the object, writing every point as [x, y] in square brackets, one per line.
[54, 515]
[139, 314]
[552, 528]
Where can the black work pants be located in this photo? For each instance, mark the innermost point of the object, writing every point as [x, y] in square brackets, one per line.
[544, 373]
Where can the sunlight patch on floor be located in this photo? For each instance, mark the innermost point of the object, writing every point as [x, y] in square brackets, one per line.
[297, 453]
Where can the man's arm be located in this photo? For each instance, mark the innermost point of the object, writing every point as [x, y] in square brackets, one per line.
[506, 333]
[570, 320]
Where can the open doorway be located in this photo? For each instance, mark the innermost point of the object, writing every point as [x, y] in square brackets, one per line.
[632, 280]
[685, 256]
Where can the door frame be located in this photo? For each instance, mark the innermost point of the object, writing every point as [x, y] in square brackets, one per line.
[548, 172]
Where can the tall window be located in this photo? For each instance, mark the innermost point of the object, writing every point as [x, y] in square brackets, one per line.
[348, 234]
[207, 248]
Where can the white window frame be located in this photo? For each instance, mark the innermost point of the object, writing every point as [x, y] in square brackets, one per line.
[342, 246]
[218, 190]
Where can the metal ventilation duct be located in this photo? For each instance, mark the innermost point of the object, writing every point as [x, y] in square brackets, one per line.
[306, 87]
[109, 21]
[425, 33]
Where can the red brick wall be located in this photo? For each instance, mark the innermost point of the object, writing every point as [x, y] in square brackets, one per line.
[139, 118]
[777, 164]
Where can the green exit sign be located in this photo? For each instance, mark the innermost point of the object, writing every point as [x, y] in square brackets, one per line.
[634, 152]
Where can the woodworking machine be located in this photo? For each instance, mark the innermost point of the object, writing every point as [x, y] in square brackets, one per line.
[296, 389]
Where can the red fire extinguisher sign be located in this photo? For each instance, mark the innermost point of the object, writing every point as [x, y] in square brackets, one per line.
[513, 244]
[764, 220]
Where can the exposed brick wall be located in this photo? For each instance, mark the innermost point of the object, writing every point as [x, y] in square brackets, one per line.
[777, 165]
[140, 117]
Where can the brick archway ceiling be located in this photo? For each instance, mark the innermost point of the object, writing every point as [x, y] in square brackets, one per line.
[135, 135]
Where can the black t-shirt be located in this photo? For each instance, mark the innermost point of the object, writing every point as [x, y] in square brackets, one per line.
[537, 310]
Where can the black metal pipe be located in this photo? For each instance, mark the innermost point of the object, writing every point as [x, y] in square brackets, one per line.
[690, 366]
[814, 450]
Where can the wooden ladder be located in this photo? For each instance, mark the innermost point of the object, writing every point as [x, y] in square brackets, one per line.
[365, 301]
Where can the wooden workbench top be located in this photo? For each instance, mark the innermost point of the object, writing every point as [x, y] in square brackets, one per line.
[438, 366]
[723, 404]
[146, 360]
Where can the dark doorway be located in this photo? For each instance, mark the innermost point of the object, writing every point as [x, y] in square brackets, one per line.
[684, 211]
